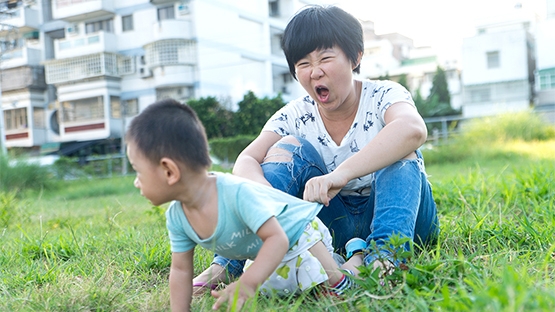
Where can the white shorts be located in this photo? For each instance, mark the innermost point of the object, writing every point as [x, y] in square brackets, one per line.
[299, 270]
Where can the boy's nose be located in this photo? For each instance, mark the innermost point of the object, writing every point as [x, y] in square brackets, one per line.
[136, 182]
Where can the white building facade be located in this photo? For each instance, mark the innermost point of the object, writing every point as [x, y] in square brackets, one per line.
[83, 68]
[498, 64]
[545, 59]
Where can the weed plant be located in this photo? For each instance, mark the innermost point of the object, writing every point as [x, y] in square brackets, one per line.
[97, 245]
[20, 175]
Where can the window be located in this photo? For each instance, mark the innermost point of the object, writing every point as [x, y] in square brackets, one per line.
[127, 23]
[181, 94]
[273, 8]
[131, 107]
[493, 59]
[166, 13]
[83, 109]
[105, 25]
[15, 119]
[547, 79]
[478, 96]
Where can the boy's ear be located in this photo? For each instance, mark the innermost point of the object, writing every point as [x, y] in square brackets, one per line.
[171, 170]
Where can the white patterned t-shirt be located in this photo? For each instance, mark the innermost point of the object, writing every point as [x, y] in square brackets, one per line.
[301, 118]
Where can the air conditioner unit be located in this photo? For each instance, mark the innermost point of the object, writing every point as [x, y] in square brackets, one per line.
[145, 72]
[183, 9]
[72, 29]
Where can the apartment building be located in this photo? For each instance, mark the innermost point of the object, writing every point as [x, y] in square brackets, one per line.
[499, 63]
[545, 59]
[77, 71]
[394, 55]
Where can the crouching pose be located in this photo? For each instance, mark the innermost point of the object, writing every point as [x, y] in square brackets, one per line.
[235, 217]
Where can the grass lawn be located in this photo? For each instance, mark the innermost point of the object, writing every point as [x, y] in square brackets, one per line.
[97, 245]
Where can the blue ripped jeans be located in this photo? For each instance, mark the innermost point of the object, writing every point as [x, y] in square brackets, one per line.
[400, 201]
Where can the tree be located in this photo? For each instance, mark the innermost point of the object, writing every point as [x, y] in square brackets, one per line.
[217, 120]
[440, 88]
[438, 102]
[253, 112]
[403, 80]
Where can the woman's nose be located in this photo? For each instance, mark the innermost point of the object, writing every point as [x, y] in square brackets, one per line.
[316, 73]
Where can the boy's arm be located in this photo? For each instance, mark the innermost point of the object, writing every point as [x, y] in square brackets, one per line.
[274, 247]
[181, 277]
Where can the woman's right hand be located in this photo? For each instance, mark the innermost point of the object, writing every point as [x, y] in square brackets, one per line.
[323, 188]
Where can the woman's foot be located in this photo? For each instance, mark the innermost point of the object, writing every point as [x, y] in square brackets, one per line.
[209, 280]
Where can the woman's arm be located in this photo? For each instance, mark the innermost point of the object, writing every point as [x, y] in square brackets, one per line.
[404, 132]
[274, 247]
[248, 162]
[181, 277]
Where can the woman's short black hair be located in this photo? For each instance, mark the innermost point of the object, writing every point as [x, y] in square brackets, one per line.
[170, 129]
[318, 27]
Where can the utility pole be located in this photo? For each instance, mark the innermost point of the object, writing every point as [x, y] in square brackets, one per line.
[123, 108]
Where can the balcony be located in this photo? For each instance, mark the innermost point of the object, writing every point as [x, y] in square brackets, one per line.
[172, 29]
[161, 1]
[24, 18]
[74, 10]
[83, 45]
[170, 52]
[67, 70]
[22, 78]
[20, 57]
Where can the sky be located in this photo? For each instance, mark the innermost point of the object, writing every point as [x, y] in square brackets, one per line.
[441, 24]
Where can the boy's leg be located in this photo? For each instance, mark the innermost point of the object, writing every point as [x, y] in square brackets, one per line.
[221, 270]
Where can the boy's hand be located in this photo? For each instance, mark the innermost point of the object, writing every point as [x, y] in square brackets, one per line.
[235, 294]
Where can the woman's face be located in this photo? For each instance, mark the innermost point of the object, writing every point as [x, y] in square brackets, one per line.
[327, 76]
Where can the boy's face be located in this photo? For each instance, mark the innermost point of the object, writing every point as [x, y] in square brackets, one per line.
[150, 176]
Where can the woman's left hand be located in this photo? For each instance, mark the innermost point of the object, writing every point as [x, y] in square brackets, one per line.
[323, 188]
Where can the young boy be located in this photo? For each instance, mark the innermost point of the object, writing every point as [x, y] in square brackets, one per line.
[232, 216]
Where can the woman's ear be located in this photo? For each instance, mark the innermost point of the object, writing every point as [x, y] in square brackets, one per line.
[359, 58]
[171, 170]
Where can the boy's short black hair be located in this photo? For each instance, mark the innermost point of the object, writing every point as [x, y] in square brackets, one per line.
[321, 27]
[170, 129]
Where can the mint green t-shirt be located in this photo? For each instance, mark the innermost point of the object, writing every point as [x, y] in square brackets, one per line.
[243, 206]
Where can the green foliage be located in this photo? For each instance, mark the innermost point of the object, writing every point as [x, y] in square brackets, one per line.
[20, 175]
[525, 126]
[217, 120]
[438, 102]
[227, 149]
[384, 77]
[403, 80]
[488, 137]
[9, 209]
[253, 113]
[440, 88]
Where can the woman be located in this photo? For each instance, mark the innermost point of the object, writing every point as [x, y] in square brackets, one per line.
[349, 144]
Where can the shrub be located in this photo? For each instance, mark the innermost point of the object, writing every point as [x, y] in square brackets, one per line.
[227, 149]
[479, 137]
[524, 126]
[19, 175]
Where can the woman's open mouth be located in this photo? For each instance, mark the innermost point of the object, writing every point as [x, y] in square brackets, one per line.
[323, 93]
